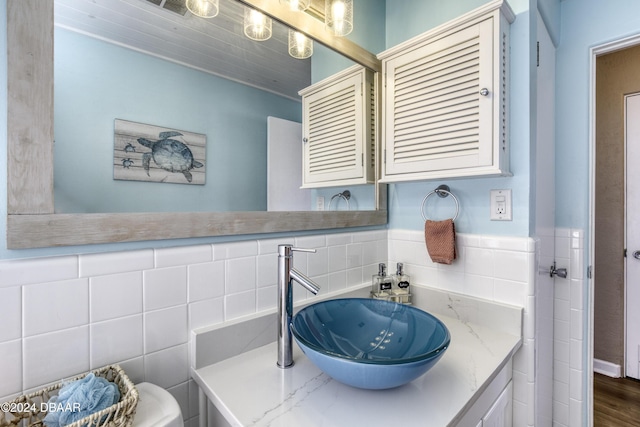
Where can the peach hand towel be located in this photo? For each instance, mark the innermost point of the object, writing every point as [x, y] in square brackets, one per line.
[440, 237]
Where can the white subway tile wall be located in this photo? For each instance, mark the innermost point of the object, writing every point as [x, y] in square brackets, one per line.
[115, 340]
[569, 398]
[11, 366]
[39, 270]
[165, 328]
[164, 287]
[62, 316]
[128, 288]
[51, 356]
[205, 281]
[101, 264]
[10, 314]
[69, 299]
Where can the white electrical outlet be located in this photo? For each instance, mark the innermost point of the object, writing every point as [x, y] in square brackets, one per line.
[320, 203]
[501, 205]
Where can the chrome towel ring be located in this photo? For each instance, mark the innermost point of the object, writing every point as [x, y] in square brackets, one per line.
[345, 195]
[442, 191]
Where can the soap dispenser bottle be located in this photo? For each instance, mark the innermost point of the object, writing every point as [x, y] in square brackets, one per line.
[401, 282]
[381, 284]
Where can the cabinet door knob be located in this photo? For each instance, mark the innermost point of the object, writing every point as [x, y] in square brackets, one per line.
[484, 91]
[305, 140]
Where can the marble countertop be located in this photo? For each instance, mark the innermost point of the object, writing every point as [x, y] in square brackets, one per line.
[250, 390]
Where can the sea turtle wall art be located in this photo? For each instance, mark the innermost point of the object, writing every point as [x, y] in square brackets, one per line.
[151, 153]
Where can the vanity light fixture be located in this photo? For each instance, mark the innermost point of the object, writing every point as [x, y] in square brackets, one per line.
[338, 16]
[300, 46]
[203, 8]
[300, 5]
[257, 26]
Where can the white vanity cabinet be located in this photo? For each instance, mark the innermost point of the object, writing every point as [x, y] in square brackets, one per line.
[445, 99]
[338, 130]
[494, 407]
[501, 413]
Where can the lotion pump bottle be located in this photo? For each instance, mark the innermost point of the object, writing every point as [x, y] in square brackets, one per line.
[401, 282]
[381, 284]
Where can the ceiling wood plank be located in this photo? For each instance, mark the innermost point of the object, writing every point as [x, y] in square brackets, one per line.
[217, 45]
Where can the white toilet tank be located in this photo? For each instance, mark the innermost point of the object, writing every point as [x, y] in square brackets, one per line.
[156, 408]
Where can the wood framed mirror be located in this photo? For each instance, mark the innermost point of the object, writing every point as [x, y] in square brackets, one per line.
[32, 221]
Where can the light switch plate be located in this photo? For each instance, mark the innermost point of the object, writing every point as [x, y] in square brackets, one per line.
[320, 203]
[501, 205]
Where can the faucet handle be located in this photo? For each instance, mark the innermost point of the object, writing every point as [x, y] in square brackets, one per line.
[287, 250]
[303, 250]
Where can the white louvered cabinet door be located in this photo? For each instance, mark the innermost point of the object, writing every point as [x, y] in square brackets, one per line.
[445, 106]
[337, 132]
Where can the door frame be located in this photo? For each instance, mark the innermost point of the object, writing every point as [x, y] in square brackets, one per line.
[626, 235]
[594, 52]
[545, 208]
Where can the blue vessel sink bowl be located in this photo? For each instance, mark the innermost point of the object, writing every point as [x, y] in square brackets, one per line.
[368, 343]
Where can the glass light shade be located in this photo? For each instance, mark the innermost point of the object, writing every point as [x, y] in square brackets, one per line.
[338, 16]
[257, 26]
[203, 8]
[300, 5]
[300, 46]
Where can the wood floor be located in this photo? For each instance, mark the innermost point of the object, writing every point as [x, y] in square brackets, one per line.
[616, 402]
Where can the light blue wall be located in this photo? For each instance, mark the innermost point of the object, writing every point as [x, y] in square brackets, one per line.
[585, 24]
[368, 32]
[550, 12]
[369, 24]
[408, 18]
[97, 82]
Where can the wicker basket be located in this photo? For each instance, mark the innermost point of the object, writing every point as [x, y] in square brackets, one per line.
[29, 410]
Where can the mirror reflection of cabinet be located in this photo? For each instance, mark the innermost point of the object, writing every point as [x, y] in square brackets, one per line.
[445, 100]
[338, 132]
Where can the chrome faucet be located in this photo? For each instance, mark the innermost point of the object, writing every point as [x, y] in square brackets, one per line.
[286, 273]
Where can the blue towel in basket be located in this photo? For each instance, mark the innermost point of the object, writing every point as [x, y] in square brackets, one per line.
[79, 399]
